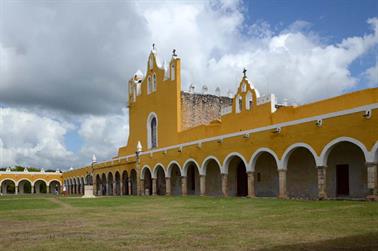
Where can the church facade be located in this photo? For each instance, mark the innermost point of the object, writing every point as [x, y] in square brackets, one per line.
[187, 143]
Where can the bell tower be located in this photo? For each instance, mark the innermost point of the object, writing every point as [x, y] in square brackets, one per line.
[154, 104]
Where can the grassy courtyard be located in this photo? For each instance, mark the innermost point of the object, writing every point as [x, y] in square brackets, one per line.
[185, 223]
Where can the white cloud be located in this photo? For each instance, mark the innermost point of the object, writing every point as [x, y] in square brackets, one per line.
[293, 64]
[371, 75]
[77, 57]
[32, 140]
[103, 135]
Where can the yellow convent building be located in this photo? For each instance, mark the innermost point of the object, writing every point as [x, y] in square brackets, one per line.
[186, 143]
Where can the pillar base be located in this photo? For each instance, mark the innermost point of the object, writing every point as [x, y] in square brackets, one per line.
[88, 192]
[322, 196]
[282, 196]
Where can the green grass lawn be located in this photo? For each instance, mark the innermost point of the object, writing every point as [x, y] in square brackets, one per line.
[185, 223]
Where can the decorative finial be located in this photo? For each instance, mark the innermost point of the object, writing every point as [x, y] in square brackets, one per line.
[191, 88]
[204, 89]
[153, 46]
[94, 160]
[139, 147]
[244, 73]
[174, 53]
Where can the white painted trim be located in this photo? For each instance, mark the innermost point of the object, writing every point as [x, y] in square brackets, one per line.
[226, 161]
[148, 127]
[33, 184]
[18, 182]
[31, 173]
[103, 175]
[257, 153]
[327, 149]
[107, 175]
[169, 168]
[154, 171]
[84, 178]
[1, 181]
[257, 130]
[286, 155]
[143, 170]
[205, 162]
[186, 165]
[60, 183]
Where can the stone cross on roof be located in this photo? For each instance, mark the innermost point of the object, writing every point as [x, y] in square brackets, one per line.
[244, 73]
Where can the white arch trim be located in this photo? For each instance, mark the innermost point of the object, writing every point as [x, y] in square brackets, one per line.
[110, 172]
[170, 165]
[186, 165]
[5, 179]
[229, 157]
[327, 149]
[39, 180]
[23, 179]
[148, 127]
[257, 153]
[104, 178]
[60, 183]
[206, 160]
[154, 172]
[143, 170]
[292, 148]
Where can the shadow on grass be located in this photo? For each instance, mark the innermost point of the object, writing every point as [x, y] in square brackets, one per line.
[364, 242]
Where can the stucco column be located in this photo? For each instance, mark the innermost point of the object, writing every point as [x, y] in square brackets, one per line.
[322, 178]
[16, 190]
[129, 184]
[121, 188]
[202, 185]
[114, 188]
[100, 189]
[372, 180]
[141, 187]
[282, 184]
[251, 184]
[48, 189]
[107, 188]
[168, 185]
[224, 184]
[154, 186]
[184, 185]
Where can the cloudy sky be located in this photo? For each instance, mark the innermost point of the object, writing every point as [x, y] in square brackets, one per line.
[64, 65]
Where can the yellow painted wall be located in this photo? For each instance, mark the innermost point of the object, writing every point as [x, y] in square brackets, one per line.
[31, 176]
[165, 102]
